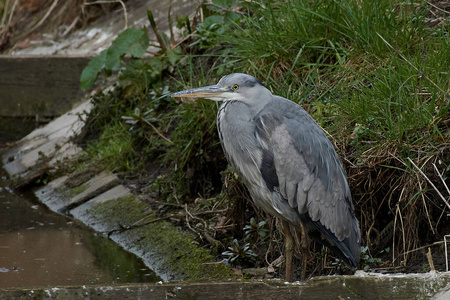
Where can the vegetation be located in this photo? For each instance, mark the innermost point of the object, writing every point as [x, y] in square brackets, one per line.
[373, 74]
[48, 15]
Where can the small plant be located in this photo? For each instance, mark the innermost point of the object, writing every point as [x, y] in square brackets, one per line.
[369, 262]
[140, 121]
[240, 255]
[255, 230]
[425, 268]
[215, 25]
[140, 118]
[132, 41]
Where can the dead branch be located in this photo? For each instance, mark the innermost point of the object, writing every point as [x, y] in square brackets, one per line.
[424, 247]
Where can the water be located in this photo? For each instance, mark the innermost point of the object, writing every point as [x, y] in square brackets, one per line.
[41, 248]
[11, 128]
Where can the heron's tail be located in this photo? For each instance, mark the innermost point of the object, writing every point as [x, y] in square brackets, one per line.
[348, 250]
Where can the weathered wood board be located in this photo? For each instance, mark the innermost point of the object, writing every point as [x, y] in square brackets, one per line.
[37, 85]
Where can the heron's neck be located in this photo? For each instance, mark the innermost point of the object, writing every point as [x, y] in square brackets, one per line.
[220, 117]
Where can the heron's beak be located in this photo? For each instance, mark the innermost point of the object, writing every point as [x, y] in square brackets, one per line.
[211, 92]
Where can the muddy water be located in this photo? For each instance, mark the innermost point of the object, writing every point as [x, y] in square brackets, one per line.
[41, 248]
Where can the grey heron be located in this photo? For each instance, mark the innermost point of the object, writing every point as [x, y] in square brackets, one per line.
[287, 163]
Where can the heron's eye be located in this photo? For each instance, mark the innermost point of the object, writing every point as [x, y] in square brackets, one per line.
[235, 87]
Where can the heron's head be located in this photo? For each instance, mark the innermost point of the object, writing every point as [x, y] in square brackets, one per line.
[237, 86]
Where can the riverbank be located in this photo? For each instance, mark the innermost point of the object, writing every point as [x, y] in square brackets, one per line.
[100, 201]
[389, 128]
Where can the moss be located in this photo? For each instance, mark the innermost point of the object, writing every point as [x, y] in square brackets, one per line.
[77, 190]
[162, 245]
[119, 208]
[180, 253]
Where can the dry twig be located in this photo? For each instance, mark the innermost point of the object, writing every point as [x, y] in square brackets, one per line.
[424, 247]
[430, 182]
[5, 12]
[442, 179]
[113, 1]
[55, 2]
[438, 8]
[71, 26]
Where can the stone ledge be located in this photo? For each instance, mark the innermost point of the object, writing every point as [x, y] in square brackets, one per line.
[423, 286]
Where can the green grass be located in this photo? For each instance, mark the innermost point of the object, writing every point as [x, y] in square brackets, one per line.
[376, 67]
[373, 74]
[305, 32]
[194, 152]
[113, 148]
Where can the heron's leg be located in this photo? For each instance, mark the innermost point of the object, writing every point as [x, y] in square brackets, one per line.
[288, 249]
[304, 249]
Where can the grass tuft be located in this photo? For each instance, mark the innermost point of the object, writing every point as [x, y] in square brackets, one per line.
[373, 74]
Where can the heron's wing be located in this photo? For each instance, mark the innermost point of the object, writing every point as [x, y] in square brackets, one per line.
[301, 164]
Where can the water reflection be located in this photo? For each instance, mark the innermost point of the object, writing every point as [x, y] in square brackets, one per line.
[41, 248]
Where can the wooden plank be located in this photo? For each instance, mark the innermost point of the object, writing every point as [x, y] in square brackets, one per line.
[44, 86]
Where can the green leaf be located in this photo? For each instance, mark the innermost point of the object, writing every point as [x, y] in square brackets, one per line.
[91, 71]
[174, 55]
[212, 20]
[132, 41]
[230, 16]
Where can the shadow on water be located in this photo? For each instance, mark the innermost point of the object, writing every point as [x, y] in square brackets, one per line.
[12, 127]
[41, 248]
